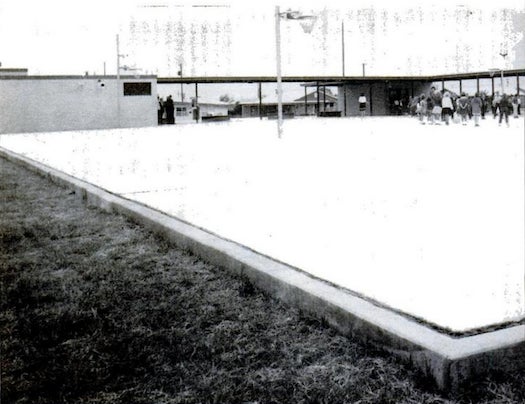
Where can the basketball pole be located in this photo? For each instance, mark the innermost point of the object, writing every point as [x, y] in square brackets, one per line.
[279, 78]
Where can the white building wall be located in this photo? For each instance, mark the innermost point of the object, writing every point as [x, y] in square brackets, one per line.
[41, 104]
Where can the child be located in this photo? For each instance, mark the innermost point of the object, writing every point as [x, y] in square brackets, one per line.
[430, 111]
[476, 104]
[448, 107]
[463, 108]
[421, 108]
[362, 104]
[436, 98]
[515, 106]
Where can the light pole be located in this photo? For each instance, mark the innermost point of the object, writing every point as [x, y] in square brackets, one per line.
[181, 84]
[278, 60]
[503, 54]
[343, 64]
[118, 81]
[289, 15]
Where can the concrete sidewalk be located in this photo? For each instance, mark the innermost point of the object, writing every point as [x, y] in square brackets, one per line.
[450, 361]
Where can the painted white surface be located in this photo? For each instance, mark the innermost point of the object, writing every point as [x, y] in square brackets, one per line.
[427, 219]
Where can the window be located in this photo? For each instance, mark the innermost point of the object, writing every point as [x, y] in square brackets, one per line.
[137, 88]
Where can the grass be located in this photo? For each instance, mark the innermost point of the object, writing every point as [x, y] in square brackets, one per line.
[95, 309]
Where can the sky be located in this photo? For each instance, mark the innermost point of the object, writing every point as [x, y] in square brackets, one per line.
[236, 37]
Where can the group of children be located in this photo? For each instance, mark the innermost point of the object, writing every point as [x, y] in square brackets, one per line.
[441, 106]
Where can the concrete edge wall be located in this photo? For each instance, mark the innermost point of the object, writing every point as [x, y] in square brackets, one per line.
[450, 362]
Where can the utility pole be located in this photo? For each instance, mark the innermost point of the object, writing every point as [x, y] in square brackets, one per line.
[118, 82]
[343, 45]
[343, 63]
[181, 84]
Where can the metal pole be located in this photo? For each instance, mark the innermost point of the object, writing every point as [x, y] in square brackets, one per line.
[344, 100]
[364, 64]
[324, 98]
[305, 101]
[260, 101]
[503, 54]
[317, 98]
[477, 85]
[197, 103]
[370, 100]
[181, 85]
[278, 59]
[118, 82]
[343, 45]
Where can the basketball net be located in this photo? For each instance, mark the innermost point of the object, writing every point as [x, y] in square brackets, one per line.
[308, 24]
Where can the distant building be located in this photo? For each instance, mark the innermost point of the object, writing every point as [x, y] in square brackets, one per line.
[311, 104]
[185, 111]
[12, 72]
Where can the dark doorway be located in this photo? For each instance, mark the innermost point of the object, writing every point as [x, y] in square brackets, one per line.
[398, 100]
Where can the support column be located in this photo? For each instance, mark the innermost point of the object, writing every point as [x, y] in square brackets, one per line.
[477, 85]
[197, 103]
[370, 98]
[317, 98]
[305, 101]
[344, 100]
[260, 101]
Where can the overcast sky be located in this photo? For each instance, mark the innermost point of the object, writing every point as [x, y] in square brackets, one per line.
[238, 38]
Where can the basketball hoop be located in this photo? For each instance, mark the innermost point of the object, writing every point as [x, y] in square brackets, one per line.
[307, 24]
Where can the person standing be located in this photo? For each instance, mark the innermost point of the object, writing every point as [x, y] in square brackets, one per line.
[170, 110]
[447, 107]
[484, 101]
[476, 104]
[430, 109]
[362, 104]
[421, 108]
[463, 108]
[496, 104]
[160, 110]
[515, 106]
[505, 106]
[436, 97]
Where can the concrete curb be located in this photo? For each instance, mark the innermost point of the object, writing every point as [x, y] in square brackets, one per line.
[450, 362]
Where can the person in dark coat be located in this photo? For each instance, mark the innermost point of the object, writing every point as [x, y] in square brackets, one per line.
[160, 110]
[505, 106]
[170, 110]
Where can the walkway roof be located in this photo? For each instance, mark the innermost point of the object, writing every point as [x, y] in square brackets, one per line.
[334, 80]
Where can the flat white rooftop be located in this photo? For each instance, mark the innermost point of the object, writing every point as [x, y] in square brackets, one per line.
[428, 220]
